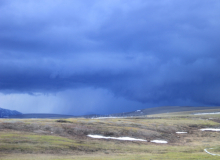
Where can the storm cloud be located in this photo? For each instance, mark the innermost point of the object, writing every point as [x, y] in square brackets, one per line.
[82, 56]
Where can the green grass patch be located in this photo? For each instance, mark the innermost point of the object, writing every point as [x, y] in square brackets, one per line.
[30, 143]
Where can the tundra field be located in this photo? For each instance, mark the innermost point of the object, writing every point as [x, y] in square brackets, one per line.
[47, 139]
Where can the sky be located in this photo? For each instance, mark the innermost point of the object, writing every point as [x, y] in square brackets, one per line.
[108, 56]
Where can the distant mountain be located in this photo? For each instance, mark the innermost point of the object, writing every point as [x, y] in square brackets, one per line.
[5, 113]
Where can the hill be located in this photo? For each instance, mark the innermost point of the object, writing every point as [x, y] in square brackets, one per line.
[5, 113]
[163, 109]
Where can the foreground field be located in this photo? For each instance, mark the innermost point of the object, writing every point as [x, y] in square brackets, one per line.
[67, 139]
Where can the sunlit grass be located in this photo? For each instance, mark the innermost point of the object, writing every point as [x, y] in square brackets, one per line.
[144, 156]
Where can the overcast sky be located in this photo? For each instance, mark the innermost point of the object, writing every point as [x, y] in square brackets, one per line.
[108, 56]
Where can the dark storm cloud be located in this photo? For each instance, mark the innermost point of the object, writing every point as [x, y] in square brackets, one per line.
[145, 51]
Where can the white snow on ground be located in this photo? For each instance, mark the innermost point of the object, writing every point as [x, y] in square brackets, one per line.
[138, 110]
[206, 113]
[181, 132]
[125, 138]
[210, 129]
[211, 153]
[117, 138]
[158, 141]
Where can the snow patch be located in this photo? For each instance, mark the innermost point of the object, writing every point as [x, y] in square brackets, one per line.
[159, 141]
[210, 129]
[116, 138]
[181, 132]
[211, 153]
[206, 113]
[138, 110]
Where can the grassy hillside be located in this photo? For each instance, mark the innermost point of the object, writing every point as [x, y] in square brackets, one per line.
[67, 138]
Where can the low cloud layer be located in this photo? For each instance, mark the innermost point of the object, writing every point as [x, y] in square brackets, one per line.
[142, 53]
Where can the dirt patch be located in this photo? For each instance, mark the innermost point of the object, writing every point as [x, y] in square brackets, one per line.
[215, 120]
[63, 121]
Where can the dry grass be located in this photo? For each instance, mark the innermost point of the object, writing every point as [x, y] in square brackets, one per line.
[28, 138]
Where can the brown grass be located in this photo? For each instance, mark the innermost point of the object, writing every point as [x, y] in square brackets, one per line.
[43, 137]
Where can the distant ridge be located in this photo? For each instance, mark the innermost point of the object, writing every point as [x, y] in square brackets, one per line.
[164, 109]
[5, 113]
[41, 115]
